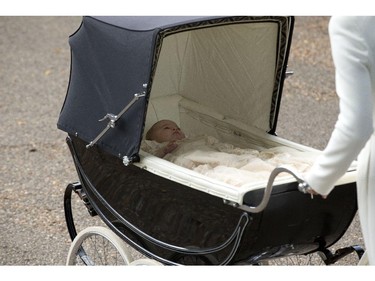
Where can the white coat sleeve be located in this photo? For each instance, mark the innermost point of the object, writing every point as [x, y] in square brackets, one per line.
[354, 125]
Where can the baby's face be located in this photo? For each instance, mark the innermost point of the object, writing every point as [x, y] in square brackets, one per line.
[166, 130]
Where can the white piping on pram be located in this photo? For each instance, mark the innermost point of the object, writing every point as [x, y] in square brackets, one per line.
[195, 180]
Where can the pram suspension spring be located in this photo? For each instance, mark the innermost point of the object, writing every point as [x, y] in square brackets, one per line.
[114, 118]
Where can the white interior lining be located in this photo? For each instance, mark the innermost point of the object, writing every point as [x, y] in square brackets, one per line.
[223, 65]
[196, 119]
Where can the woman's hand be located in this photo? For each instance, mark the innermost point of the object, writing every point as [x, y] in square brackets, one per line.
[304, 187]
[312, 192]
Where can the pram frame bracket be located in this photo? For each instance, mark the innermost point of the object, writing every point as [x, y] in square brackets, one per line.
[114, 118]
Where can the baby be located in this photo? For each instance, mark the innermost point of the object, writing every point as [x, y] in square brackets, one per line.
[165, 131]
[218, 160]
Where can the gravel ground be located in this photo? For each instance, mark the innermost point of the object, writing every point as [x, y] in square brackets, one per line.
[36, 165]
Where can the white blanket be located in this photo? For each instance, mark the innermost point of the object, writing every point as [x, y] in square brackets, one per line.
[230, 164]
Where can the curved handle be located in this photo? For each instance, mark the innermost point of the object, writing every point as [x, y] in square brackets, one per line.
[268, 190]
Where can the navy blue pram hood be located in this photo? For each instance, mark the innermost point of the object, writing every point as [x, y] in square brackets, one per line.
[113, 59]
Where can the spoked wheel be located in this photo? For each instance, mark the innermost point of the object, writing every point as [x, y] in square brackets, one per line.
[98, 245]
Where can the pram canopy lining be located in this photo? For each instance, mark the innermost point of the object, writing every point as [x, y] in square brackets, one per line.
[235, 65]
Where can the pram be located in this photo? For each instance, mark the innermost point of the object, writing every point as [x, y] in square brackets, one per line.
[221, 76]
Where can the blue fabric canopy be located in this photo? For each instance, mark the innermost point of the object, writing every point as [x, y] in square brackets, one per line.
[114, 58]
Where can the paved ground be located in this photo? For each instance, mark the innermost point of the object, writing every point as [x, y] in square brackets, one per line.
[36, 165]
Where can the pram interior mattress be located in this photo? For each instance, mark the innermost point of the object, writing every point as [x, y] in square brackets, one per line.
[217, 77]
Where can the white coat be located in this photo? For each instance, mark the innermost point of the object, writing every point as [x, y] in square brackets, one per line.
[353, 51]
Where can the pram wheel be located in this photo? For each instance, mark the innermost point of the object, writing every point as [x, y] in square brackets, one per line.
[98, 245]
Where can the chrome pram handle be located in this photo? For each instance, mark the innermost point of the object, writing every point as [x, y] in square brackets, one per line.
[302, 186]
